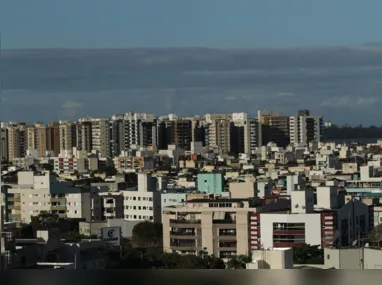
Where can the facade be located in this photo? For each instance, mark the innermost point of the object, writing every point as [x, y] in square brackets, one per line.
[211, 183]
[67, 136]
[329, 223]
[305, 128]
[37, 193]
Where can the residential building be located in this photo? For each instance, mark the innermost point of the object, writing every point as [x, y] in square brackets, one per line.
[36, 193]
[67, 136]
[305, 128]
[211, 183]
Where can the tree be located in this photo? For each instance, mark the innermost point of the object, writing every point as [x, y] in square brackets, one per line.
[110, 171]
[47, 166]
[308, 254]
[238, 261]
[45, 221]
[147, 234]
[375, 236]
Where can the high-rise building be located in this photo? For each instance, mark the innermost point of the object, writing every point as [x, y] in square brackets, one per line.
[4, 144]
[148, 132]
[84, 135]
[117, 135]
[164, 132]
[182, 133]
[255, 138]
[275, 128]
[16, 141]
[305, 128]
[53, 137]
[100, 136]
[133, 126]
[240, 133]
[67, 136]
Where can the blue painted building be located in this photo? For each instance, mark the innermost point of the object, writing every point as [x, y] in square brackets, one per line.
[211, 183]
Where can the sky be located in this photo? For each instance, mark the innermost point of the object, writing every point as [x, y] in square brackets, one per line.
[324, 55]
[184, 23]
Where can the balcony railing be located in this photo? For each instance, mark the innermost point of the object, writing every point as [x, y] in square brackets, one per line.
[177, 233]
[185, 221]
[224, 222]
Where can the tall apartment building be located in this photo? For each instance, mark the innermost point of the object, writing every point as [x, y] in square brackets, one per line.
[42, 192]
[219, 135]
[67, 136]
[116, 135]
[255, 134]
[53, 137]
[17, 137]
[182, 133]
[275, 128]
[148, 132]
[100, 136]
[4, 144]
[133, 127]
[305, 128]
[164, 132]
[240, 133]
[84, 134]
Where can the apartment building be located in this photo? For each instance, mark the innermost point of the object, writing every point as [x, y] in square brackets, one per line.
[100, 136]
[67, 136]
[139, 129]
[17, 137]
[146, 202]
[305, 128]
[220, 224]
[84, 134]
[116, 135]
[53, 137]
[4, 144]
[330, 222]
[35, 193]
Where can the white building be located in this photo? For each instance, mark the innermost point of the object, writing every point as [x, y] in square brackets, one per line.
[37, 193]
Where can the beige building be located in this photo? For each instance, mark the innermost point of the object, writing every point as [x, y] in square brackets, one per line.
[220, 227]
[42, 192]
[16, 141]
[67, 136]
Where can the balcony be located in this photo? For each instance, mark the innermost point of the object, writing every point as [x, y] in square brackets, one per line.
[183, 246]
[185, 221]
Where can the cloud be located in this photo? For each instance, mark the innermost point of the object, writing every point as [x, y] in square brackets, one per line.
[230, 98]
[72, 105]
[286, 94]
[348, 101]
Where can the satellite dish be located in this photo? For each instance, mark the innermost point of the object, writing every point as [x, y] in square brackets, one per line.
[354, 243]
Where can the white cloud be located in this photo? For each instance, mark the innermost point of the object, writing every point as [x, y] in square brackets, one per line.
[348, 101]
[72, 105]
[286, 94]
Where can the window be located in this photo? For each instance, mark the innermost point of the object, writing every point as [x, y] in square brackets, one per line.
[135, 216]
[328, 256]
[134, 198]
[139, 198]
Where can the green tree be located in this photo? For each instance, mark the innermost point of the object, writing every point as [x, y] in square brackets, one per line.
[375, 235]
[308, 254]
[110, 171]
[147, 234]
[45, 221]
[238, 261]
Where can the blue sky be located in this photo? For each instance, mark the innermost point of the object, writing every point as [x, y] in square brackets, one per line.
[178, 23]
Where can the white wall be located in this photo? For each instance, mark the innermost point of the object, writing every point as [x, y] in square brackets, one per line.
[312, 227]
